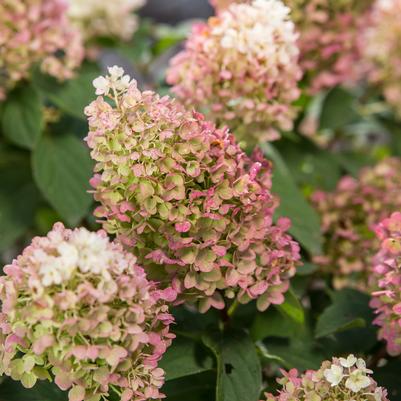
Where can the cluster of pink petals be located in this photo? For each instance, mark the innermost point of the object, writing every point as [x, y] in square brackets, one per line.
[330, 40]
[35, 31]
[77, 307]
[382, 48]
[349, 216]
[241, 68]
[387, 276]
[182, 195]
[341, 379]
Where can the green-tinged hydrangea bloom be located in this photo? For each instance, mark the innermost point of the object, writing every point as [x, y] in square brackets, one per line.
[349, 217]
[182, 195]
[342, 379]
[78, 308]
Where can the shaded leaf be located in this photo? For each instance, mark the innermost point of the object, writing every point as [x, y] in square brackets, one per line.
[338, 109]
[18, 201]
[350, 309]
[300, 352]
[272, 323]
[312, 167]
[185, 357]
[305, 220]
[73, 95]
[292, 308]
[62, 169]
[199, 387]
[43, 391]
[22, 117]
[239, 375]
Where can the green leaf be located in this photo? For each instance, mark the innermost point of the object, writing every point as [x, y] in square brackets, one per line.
[73, 95]
[272, 323]
[305, 220]
[301, 353]
[22, 117]
[306, 269]
[18, 201]
[311, 166]
[62, 169]
[185, 357]
[338, 109]
[353, 162]
[43, 391]
[199, 387]
[350, 309]
[239, 375]
[292, 308]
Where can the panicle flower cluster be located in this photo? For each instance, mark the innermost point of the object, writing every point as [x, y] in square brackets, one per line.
[36, 31]
[181, 194]
[341, 379]
[330, 40]
[383, 49]
[349, 216]
[241, 68]
[77, 307]
[97, 19]
[387, 275]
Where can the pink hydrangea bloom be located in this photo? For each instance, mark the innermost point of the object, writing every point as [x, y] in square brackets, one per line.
[341, 379]
[382, 49]
[387, 276]
[349, 216]
[241, 68]
[182, 195]
[34, 31]
[330, 40]
[77, 306]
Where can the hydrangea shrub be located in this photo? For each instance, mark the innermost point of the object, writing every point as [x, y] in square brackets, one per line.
[192, 223]
[241, 68]
[78, 307]
[349, 216]
[183, 196]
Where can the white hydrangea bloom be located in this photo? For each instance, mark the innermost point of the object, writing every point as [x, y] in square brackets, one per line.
[97, 18]
[115, 81]
[266, 31]
[85, 251]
